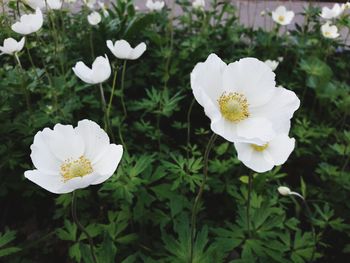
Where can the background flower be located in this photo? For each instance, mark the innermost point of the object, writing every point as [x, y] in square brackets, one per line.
[328, 13]
[273, 64]
[155, 5]
[262, 158]
[198, 4]
[329, 31]
[94, 18]
[11, 46]
[122, 49]
[100, 71]
[29, 23]
[54, 4]
[68, 158]
[282, 16]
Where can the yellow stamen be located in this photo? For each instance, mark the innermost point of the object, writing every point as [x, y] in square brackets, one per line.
[281, 18]
[259, 148]
[76, 168]
[233, 106]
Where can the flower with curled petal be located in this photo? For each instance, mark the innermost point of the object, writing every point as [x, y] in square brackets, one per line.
[67, 158]
[122, 49]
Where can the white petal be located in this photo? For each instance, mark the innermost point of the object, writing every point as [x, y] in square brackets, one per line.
[255, 130]
[83, 72]
[280, 148]
[107, 165]
[138, 51]
[77, 183]
[207, 77]
[225, 129]
[279, 110]
[96, 140]
[252, 78]
[51, 183]
[122, 49]
[63, 142]
[101, 69]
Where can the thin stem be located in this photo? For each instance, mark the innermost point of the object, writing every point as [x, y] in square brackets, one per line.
[250, 186]
[92, 45]
[122, 90]
[112, 93]
[32, 62]
[26, 94]
[189, 129]
[81, 227]
[200, 193]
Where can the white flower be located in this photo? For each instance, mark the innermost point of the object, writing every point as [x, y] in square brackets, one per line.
[280, 59]
[155, 6]
[11, 46]
[273, 64]
[285, 191]
[241, 99]
[262, 158]
[54, 4]
[29, 23]
[329, 31]
[345, 6]
[103, 7]
[122, 49]
[100, 71]
[263, 13]
[328, 13]
[282, 16]
[68, 158]
[94, 18]
[198, 4]
[90, 3]
[36, 4]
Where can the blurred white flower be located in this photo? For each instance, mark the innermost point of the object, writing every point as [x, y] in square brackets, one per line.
[103, 7]
[345, 6]
[198, 4]
[54, 4]
[273, 64]
[36, 3]
[262, 158]
[263, 13]
[122, 49]
[11, 46]
[280, 59]
[90, 3]
[155, 5]
[329, 31]
[285, 191]
[328, 13]
[282, 16]
[94, 18]
[68, 158]
[29, 23]
[241, 99]
[100, 71]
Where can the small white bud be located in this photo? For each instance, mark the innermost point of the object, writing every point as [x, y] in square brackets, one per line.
[283, 190]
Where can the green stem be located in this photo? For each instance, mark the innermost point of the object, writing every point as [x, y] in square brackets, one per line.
[112, 93]
[26, 94]
[122, 90]
[81, 227]
[92, 45]
[189, 129]
[200, 193]
[250, 186]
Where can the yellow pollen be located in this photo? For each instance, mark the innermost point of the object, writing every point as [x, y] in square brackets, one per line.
[259, 148]
[281, 18]
[233, 106]
[76, 168]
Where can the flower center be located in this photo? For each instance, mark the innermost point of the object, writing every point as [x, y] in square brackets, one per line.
[76, 168]
[259, 148]
[281, 18]
[233, 106]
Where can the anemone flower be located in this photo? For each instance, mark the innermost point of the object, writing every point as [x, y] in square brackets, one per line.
[29, 23]
[262, 158]
[282, 16]
[198, 4]
[94, 18]
[68, 158]
[99, 72]
[11, 46]
[155, 5]
[241, 99]
[122, 49]
[329, 31]
[330, 13]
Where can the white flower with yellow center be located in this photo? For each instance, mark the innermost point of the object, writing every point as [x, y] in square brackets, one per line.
[262, 158]
[241, 99]
[328, 13]
[68, 158]
[282, 16]
[329, 31]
